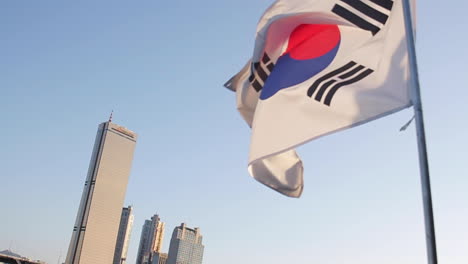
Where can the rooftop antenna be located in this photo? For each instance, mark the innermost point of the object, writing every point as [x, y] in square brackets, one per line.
[110, 117]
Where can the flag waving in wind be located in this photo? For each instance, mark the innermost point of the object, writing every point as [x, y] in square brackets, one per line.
[318, 67]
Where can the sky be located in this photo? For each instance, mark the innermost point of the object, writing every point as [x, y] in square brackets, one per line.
[160, 65]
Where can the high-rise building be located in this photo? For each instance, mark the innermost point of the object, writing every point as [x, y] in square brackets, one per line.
[151, 240]
[97, 223]
[144, 238]
[186, 246]
[159, 258]
[123, 237]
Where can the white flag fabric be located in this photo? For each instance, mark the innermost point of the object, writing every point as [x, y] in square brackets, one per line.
[318, 67]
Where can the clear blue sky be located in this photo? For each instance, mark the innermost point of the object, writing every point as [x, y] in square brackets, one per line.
[160, 66]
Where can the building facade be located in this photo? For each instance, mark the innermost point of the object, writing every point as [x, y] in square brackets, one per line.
[123, 237]
[152, 235]
[186, 246]
[144, 238]
[97, 224]
[159, 258]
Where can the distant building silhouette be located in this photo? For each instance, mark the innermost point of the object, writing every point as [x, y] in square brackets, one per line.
[123, 237]
[186, 246]
[152, 235]
[97, 223]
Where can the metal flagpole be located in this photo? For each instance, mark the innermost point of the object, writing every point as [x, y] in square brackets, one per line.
[423, 161]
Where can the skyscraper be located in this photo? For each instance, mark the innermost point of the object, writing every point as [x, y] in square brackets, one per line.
[123, 237]
[159, 258]
[144, 238]
[186, 246]
[97, 223]
[151, 239]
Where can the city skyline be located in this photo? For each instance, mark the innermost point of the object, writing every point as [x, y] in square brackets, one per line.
[94, 236]
[185, 244]
[161, 66]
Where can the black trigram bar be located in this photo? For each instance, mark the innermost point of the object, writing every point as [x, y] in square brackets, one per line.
[315, 85]
[337, 86]
[260, 72]
[387, 4]
[369, 12]
[330, 83]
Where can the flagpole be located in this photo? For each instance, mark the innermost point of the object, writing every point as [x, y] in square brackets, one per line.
[421, 137]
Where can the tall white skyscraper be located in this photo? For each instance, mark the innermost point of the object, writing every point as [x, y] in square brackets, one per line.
[123, 238]
[97, 224]
[151, 240]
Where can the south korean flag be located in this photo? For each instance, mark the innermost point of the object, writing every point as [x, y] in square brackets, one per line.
[318, 67]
